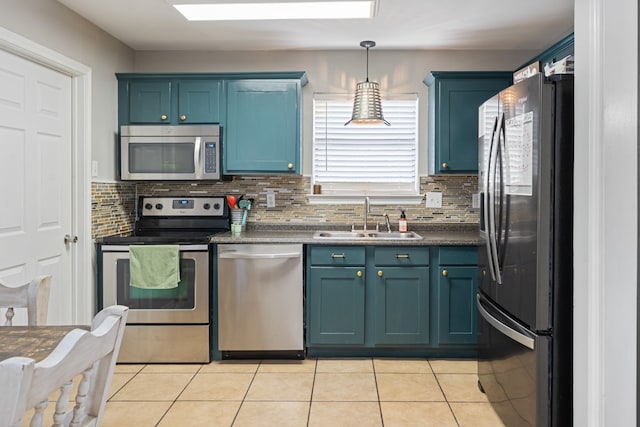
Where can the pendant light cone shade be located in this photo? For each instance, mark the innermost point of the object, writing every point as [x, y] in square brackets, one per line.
[367, 105]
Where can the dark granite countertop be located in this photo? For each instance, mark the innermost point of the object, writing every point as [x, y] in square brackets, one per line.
[442, 235]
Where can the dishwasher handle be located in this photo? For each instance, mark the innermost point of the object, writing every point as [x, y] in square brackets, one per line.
[250, 255]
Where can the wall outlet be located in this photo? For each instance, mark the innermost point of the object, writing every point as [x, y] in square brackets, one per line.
[271, 200]
[94, 168]
[434, 199]
[475, 201]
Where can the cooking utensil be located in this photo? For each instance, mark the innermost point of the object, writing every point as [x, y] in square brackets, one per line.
[242, 204]
[231, 200]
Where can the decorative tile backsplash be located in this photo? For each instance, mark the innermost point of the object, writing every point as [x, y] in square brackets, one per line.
[112, 208]
[113, 204]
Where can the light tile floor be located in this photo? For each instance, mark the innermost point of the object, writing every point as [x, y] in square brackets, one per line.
[313, 392]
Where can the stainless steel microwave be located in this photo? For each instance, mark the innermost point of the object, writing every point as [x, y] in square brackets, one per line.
[170, 152]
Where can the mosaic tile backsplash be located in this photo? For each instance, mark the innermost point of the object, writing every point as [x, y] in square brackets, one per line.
[113, 204]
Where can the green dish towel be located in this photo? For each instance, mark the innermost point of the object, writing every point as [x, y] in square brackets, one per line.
[154, 266]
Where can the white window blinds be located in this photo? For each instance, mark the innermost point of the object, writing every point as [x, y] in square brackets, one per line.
[365, 159]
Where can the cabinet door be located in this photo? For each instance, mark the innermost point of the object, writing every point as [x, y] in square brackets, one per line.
[401, 305]
[150, 101]
[457, 287]
[262, 132]
[199, 101]
[335, 304]
[454, 98]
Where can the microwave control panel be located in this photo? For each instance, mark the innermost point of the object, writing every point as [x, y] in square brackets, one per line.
[210, 157]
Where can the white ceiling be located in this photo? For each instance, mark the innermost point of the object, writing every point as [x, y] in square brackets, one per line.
[399, 24]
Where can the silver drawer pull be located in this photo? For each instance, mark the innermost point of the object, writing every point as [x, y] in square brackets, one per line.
[337, 255]
[402, 256]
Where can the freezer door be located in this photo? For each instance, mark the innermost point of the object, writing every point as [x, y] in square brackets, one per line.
[513, 368]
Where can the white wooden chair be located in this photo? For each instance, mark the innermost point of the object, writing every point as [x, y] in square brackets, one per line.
[33, 296]
[89, 355]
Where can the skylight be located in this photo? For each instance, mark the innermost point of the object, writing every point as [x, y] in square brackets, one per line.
[285, 10]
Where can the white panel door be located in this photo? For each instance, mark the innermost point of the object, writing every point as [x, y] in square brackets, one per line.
[36, 180]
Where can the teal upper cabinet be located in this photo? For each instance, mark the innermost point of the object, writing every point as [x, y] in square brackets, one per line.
[171, 101]
[149, 102]
[263, 127]
[454, 98]
[199, 101]
[554, 53]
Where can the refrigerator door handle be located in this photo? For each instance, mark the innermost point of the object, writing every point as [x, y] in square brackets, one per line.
[487, 201]
[504, 329]
[493, 164]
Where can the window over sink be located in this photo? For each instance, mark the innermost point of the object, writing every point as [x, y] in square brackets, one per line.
[365, 160]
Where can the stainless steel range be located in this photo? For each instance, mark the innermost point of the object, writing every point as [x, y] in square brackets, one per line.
[165, 325]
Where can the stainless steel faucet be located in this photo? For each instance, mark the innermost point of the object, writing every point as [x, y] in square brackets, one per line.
[366, 211]
[386, 218]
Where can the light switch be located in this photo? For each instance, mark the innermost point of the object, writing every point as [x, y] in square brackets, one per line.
[271, 200]
[434, 199]
[475, 201]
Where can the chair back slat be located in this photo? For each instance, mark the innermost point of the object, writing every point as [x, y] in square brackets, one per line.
[34, 296]
[90, 355]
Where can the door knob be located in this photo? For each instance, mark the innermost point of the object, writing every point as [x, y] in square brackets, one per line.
[290, 166]
[359, 274]
[445, 165]
[68, 239]
[445, 273]
[380, 273]
[183, 117]
[163, 117]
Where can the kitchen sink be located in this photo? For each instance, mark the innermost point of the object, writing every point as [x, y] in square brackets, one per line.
[366, 235]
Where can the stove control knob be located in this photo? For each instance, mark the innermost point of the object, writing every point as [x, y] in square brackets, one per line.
[207, 206]
[158, 206]
[148, 206]
[216, 206]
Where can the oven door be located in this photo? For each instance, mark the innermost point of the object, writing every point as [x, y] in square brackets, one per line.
[188, 303]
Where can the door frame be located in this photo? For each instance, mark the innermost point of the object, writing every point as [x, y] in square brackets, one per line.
[82, 256]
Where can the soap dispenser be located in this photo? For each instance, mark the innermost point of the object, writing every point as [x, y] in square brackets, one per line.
[402, 223]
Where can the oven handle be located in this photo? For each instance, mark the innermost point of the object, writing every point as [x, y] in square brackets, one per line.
[249, 255]
[181, 248]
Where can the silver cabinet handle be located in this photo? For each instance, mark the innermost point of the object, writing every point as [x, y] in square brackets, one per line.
[337, 256]
[402, 256]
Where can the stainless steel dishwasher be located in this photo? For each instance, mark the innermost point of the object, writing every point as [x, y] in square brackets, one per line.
[260, 300]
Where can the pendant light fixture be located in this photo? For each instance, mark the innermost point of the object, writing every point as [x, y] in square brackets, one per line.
[367, 105]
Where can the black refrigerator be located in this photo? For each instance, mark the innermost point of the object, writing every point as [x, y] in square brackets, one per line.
[525, 292]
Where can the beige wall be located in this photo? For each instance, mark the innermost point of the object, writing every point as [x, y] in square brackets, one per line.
[339, 71]
[52, 25]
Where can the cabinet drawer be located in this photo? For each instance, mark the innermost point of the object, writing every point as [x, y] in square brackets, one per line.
[401, 256]
[458, 255]
[336, 255]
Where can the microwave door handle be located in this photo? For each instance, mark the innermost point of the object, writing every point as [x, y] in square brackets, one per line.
[487, 201]
[197, 160]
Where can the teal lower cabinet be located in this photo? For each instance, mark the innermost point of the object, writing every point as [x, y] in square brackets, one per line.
[401, 294]
[367, 300]
[457, 284]
[335, 290]
[337, 314]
